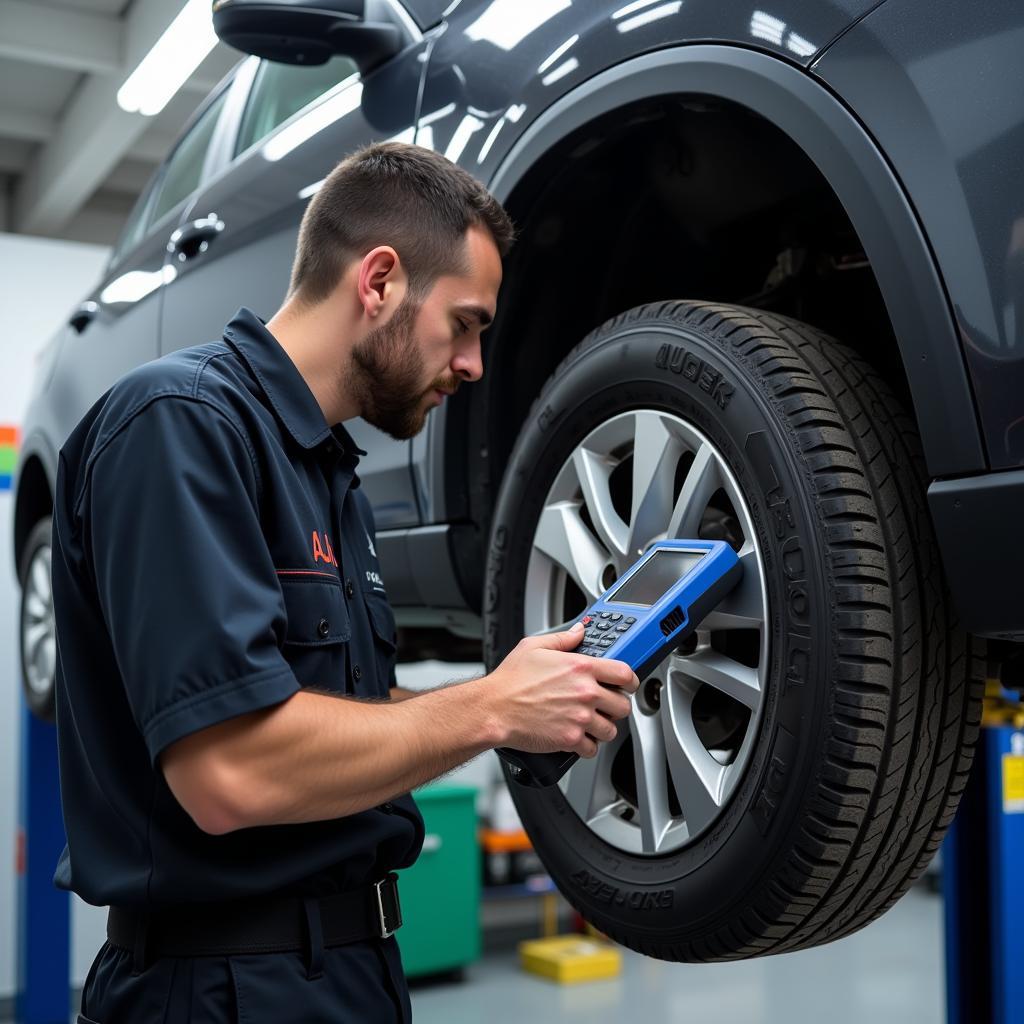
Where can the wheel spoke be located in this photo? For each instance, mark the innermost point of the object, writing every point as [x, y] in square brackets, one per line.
[723, 674]
[589, 790]
[46, 658]
[743, 608]
[701, 482]
[655, 453]
[696, 775]
[651, 782]
[565, 539]
[41, 577]
[34, 634]
[594, 471]
[36, 607]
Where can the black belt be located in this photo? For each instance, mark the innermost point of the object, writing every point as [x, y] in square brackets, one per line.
[258, 925]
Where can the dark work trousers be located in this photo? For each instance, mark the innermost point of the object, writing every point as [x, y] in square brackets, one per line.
[358, 982]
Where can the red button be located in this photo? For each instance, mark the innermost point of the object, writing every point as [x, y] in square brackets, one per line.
[586, 620]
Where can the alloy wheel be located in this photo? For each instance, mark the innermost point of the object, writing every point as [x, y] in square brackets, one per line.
[642, 476]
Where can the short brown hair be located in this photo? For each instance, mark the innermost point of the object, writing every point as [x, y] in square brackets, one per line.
[405, 196]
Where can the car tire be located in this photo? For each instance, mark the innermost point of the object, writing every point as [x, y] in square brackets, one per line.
[37, 642]
[862, 699]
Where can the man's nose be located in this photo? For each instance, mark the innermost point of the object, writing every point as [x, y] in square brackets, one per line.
[469, 364]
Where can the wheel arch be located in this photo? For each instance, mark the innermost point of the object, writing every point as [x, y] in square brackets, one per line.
[33, 496]
[827, 135]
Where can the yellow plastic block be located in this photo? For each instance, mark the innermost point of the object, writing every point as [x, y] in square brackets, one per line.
[570, 958]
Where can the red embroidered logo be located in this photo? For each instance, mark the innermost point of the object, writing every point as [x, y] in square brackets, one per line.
[322, 551]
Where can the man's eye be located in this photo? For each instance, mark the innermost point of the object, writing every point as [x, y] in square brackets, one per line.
[463, 326]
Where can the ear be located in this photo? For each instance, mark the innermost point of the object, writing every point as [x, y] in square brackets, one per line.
[381, 280]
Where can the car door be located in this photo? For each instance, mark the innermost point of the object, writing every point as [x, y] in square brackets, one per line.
[293, 125]
[118, 327]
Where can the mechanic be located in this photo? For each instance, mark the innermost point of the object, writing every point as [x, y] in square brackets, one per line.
[235, 756]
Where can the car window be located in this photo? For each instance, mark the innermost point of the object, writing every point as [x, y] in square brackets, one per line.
[135, 225]
[185, 167]
[281, 90]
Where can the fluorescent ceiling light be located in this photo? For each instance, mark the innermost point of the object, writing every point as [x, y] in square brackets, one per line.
[135, 285]
[437, 115]
[664, 11]
[800, 46]
[630, 8]
[561, 71]
[764, 26]
[467, 127]
[489, 141]
[571, 41]
[506, 23]
[166, 68]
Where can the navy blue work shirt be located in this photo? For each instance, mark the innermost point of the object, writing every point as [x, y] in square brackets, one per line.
[212, 555]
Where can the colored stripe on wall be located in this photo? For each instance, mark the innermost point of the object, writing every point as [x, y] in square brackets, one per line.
[8, 455]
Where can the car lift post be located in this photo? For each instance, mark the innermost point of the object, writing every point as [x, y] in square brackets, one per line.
[44, 912]
[983, 885]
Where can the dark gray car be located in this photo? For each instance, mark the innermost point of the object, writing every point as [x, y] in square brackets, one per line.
[769, 288]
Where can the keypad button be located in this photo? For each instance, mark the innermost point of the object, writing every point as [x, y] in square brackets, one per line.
[615, 616]
[621, 628]
[630, 619]
[605, 615]
[586, 620]
[606, 642]
[604, 625]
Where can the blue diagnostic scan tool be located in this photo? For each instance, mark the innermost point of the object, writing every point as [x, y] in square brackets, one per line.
[650, 610]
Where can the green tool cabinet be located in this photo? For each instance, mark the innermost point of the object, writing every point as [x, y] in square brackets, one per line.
[440, 893]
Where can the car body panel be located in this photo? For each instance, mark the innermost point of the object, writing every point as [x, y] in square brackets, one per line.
[857, 171]
[940, 86]
[494, 69]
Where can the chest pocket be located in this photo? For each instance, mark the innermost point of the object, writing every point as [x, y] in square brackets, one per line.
[317, 632]
[382, 623]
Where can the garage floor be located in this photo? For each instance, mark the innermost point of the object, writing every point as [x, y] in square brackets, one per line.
[888, 973]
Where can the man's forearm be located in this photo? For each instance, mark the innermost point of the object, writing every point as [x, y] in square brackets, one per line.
[401, 693]
[315, 757]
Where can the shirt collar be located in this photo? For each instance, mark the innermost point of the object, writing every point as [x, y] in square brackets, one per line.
[285, 388]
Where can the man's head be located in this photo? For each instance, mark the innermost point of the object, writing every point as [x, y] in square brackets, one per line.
[402, 249]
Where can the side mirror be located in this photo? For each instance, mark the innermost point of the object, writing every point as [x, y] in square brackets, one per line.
[298, 32]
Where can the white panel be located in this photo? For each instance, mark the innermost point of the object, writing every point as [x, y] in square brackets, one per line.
[41, 282]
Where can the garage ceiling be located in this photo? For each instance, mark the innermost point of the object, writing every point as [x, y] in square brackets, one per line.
[72, 162]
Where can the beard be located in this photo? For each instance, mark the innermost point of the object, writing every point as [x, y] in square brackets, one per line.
[388, 371]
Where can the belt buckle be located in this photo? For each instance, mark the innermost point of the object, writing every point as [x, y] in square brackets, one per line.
[389, 910]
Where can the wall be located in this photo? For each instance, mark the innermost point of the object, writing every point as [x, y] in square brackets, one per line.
[41, 281]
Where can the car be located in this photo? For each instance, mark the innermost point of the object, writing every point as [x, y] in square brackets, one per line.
[768, 289]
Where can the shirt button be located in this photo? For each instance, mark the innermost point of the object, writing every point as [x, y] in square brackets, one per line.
[357, 672]
[323, 627]
[387, 808]
[349, 588]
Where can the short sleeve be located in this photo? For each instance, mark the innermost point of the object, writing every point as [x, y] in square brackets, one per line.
[170, 518]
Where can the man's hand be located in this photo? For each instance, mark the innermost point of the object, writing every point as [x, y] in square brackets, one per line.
[546, 698]
[315, 757]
